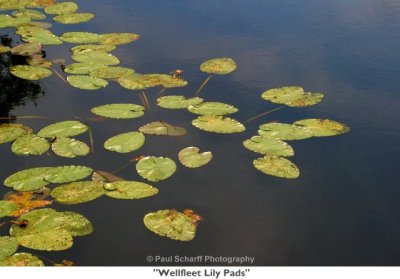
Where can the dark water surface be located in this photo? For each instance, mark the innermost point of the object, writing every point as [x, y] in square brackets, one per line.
[343, 210]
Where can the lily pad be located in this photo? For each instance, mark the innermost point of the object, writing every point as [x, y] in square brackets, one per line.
[38, 60]
[139, 81]
[212, 108]
[108, 72]
[156, 168]
[86, 82]
[81, 68]
[28, 49]
[171, 223]
[95, 57]
[323, 127]
[177, 102]
[269, 146]
[105, 48]
[162, 128]
[218, 66]
[192, 158]
[69, 148]
[11, 131]
[8, 246]
[6, 209]
[38, 35]
[293, 96]
[4, 49]
[78, 192]
[119, 111]
[21, 259]
[284, 131]
[131, 190]
[30, 72]
[277, 166]
[218, 124]
[9, 21]
[30, 144]
[81, 37]
[63, 129]
[65, 174]
[33, 14]
[124, 143]
[61, 8]
[73, 18]
[118, 38]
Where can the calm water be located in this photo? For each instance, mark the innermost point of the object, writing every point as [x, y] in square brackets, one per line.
[344, 208]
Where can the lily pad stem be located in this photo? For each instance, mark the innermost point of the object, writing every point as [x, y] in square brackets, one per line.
[202, 86]
[263, 114]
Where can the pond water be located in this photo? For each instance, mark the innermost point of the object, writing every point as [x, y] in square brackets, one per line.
[342, 210]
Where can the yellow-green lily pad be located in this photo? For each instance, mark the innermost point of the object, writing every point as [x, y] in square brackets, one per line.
[118, 38]
[12, 131]
[9, 21]
[177, 101]
[63, 129]
[38, 35]
[125, 143]
[218, 66]
[81, 68]
[110, 72]
[30, 72]
[139, 81]
[33, 14]
[192, 158]
[8, 246]
[86, 82]
[212, 108]
[61, 8]
[81, 37]
[105, 48]
[78, 192]
[218, 124]
[4, 49]
[131, 190]
[69, 148]
[30, 144]
[119, 111]
[28, 49]
[277, 166]
[161, 128]
[284, 131]
[269, 146]
[323, 127]
[155, 168]
[6, 208]
[293, 96]
[95, 57]
[21, 259]
[73, 18]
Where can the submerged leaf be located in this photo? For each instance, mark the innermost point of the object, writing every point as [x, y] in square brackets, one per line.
[69, 148]
[277, 166]
[87, 82]
[11, 131]
[171, 223]
[95, 57]
[119, 111]
[218, 66]
[162, 128]
[118, 38]
[78, 192]
[156, 168]
[73, 18]
[62, 8]
[63, 129]
[111, 72]
[30, 72]
[124, 143]
[81, 37]
[212, 108]
[21, 259]
[30, 144]
[218, 124]
[177, 102]
[8, 246]
[284, 131]
[131, 190]
[323, 127]
[191, 157]
[269, 146]
[293, 96]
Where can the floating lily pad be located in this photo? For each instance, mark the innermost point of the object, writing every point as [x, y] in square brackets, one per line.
[28, 49]
[323, 127]
[269, 146]
[218, 66]
[119, 111]
[61, 8]
[69, 148]
[105, 48]
[284, 131]
[111, 72]
[73, 18]
[38, 35]
[30, 144]
[27, 201]
[130, 190]
[96, 57]
[81, 37]
[81, 68]
[138, 81]
[9, 21]
[277, 166]
[170, 223]
[78, 192]
[4, 49]
[118, 38]
[124, 143]
[65, 174]
[11, 131]
[192, 158]
[162, 128]
[38, 60]
[8, 246]
[63, 129]
[218, 124]
[21, 259]
[86, 82]
[37, 24]
[30, 72]
[177, 102]
[156, 168]
[293, 96]
[212, 108]
[6, 209]
[33, 14]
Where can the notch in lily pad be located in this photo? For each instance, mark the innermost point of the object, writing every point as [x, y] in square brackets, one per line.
[191, 157]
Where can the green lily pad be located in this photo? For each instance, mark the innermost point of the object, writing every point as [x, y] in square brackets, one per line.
[284, 131]
[171, 223]
[131, 190]
[11, 131]
[4, 49]
[33, 14]
[63, 129]
[61, 8]
[269, 146]
[30, 144]
[119, 111]
[218, 66]
[105, 48]
[192, 158]
[111, 72]
[96, 57]
[124, 143]
[65, 174]
[38, 35]
[78, 192]
[86, 82]
[118, 38]
[73, 18]
[218, 124]
[28, 49]
[138, 81]
[9, 21]
[30, 72]
[162, 128]
[37, 24]
[81, 37]
[8, 246]
[277, 166]
[323, 127]
[156, 168]
[22, 259]
[6, 208]
[69, 148]
[212, 108]
[76, 224]
[81, 68]
[177, 102]
[293, 96]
